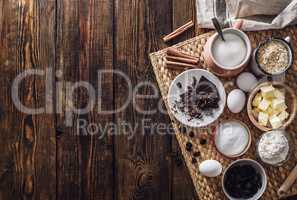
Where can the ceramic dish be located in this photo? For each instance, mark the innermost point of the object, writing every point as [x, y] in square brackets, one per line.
[185, 79]
[257, 69]
[290, 101]
[257, 167]
[247, 146]
[290, 152]
[219, 69]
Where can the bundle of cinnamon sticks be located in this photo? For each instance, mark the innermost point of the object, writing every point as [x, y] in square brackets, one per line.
[179, 60]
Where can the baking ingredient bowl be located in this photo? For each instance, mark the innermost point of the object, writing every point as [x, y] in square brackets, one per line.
[289, 98]
[196, 98]
[284, 44]
[275, 148]
[232, 138]
[244, 179]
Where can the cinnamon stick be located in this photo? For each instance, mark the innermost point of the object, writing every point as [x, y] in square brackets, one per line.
[286, 186]
[181, 59]
[180, 64]
[174, 52]
[178, 31]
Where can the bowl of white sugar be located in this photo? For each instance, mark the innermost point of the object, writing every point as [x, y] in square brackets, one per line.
[230, 56]
[232, 138]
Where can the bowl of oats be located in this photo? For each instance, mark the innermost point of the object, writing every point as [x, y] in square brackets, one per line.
[274, 56]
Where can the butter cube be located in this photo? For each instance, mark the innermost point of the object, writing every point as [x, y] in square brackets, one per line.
[283, 115]
[267, 91]
[275, 122]
[264, 104]
[257, 100]
[256, 112]
[283, 108]
[270, 111]
[278, 94]
[279, 104]
[263, 118]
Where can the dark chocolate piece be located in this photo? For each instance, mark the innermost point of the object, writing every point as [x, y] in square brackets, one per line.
[200, 99]
[189, 146]
[179, 85]
[196, 154]
[191, 134]
[203, 141]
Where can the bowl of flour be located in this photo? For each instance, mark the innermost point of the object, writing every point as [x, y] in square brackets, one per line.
[275, 147]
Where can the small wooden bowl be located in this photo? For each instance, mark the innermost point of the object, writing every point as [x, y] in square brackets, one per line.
[290, 101]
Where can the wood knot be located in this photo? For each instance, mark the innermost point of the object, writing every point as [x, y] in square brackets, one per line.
[145, 178]
[28, 185]
[29, 129]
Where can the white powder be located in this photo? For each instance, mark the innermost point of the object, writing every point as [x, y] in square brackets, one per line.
[273, 147]
[231, 138]
[231, 52]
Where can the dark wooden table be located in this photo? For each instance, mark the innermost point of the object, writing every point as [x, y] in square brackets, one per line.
[42, 158]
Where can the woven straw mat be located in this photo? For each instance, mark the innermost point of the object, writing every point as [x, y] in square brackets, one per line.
[210, 188]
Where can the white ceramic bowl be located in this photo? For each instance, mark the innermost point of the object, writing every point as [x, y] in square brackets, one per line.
[185, 79]
[259, 169]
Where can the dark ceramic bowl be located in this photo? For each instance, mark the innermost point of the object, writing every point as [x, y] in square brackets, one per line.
[286, 42]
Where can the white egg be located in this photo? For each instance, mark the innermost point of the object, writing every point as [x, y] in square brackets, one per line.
[246, 81]
[210, 168]
[236, 101]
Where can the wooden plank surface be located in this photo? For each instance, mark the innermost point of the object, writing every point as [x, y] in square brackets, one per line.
[142, 168]
[84, 47]
[28, 146]
[41, 157]
[183, 188]
[129, 156]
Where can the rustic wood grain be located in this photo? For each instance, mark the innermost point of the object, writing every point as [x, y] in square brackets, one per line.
[183, 11]
[142, 170]
[182, 185]
[84, 46]
[42, 158]
[27, 156]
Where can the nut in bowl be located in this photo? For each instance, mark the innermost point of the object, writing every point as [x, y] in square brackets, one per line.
[271, 105]
[196, 98]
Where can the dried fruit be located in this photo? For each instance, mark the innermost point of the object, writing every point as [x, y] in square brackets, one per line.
[189, 146]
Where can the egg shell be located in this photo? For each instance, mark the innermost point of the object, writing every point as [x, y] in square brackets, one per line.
[236, 101]
[246, 81]
[210, 168]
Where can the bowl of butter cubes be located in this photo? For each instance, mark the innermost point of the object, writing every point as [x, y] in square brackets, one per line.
[271, 105]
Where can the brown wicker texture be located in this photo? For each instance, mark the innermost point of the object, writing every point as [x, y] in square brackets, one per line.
[210, 188]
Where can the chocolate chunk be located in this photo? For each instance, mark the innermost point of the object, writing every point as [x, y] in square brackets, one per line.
[203, 141]
[189, 146]
[194, 82]
[200, 99]
[191, 134]
[179, 85]
[196, 154]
